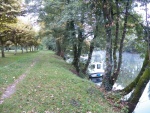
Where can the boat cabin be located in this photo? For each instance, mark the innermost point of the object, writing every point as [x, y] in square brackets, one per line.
[95, 69]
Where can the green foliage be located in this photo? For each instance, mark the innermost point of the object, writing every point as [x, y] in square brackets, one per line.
[22, 34]
[10, 28]
[49, 42]
[9, 10]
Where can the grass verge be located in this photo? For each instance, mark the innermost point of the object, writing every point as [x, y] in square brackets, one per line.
[51, 88]
[13, 66]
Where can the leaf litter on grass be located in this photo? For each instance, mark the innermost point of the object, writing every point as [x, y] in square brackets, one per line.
[11, 88]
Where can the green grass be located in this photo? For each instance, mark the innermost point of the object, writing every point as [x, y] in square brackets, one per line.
[13, 66]
[51, 88]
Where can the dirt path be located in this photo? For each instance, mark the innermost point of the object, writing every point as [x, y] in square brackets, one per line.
[12, 88]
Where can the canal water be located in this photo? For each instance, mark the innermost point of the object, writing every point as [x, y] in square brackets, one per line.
[131, 65]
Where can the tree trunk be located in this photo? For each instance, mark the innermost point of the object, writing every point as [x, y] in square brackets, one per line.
[77, 51]
[65, 41]
[30, 48]
[134, 98]
[75, 46]
[133, 84]
[116, 41]
[108, 23]
[115, 75]
[21, 49]
[89, 57]
[15, 49]
[2, 49]
[141, 80]
[75, 59]
[58, 47]
[8, 48]
[98, 13]
[26, 49]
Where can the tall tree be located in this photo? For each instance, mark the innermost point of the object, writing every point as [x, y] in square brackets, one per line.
[139, 84]
[117, 70]
[112, 10]
[108, 19]
[8, 12]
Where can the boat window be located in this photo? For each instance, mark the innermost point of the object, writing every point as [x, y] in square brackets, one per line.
[92, 66]
[98, 66]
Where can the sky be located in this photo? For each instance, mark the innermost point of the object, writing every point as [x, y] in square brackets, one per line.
[33, 20]
[140, 10]
[29, 19]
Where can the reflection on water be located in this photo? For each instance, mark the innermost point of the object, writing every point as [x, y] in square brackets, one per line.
[131, 65]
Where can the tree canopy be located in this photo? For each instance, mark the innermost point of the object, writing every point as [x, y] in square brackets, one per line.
[12, 30]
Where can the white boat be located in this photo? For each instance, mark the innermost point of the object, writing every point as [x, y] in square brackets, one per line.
[95, 69]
